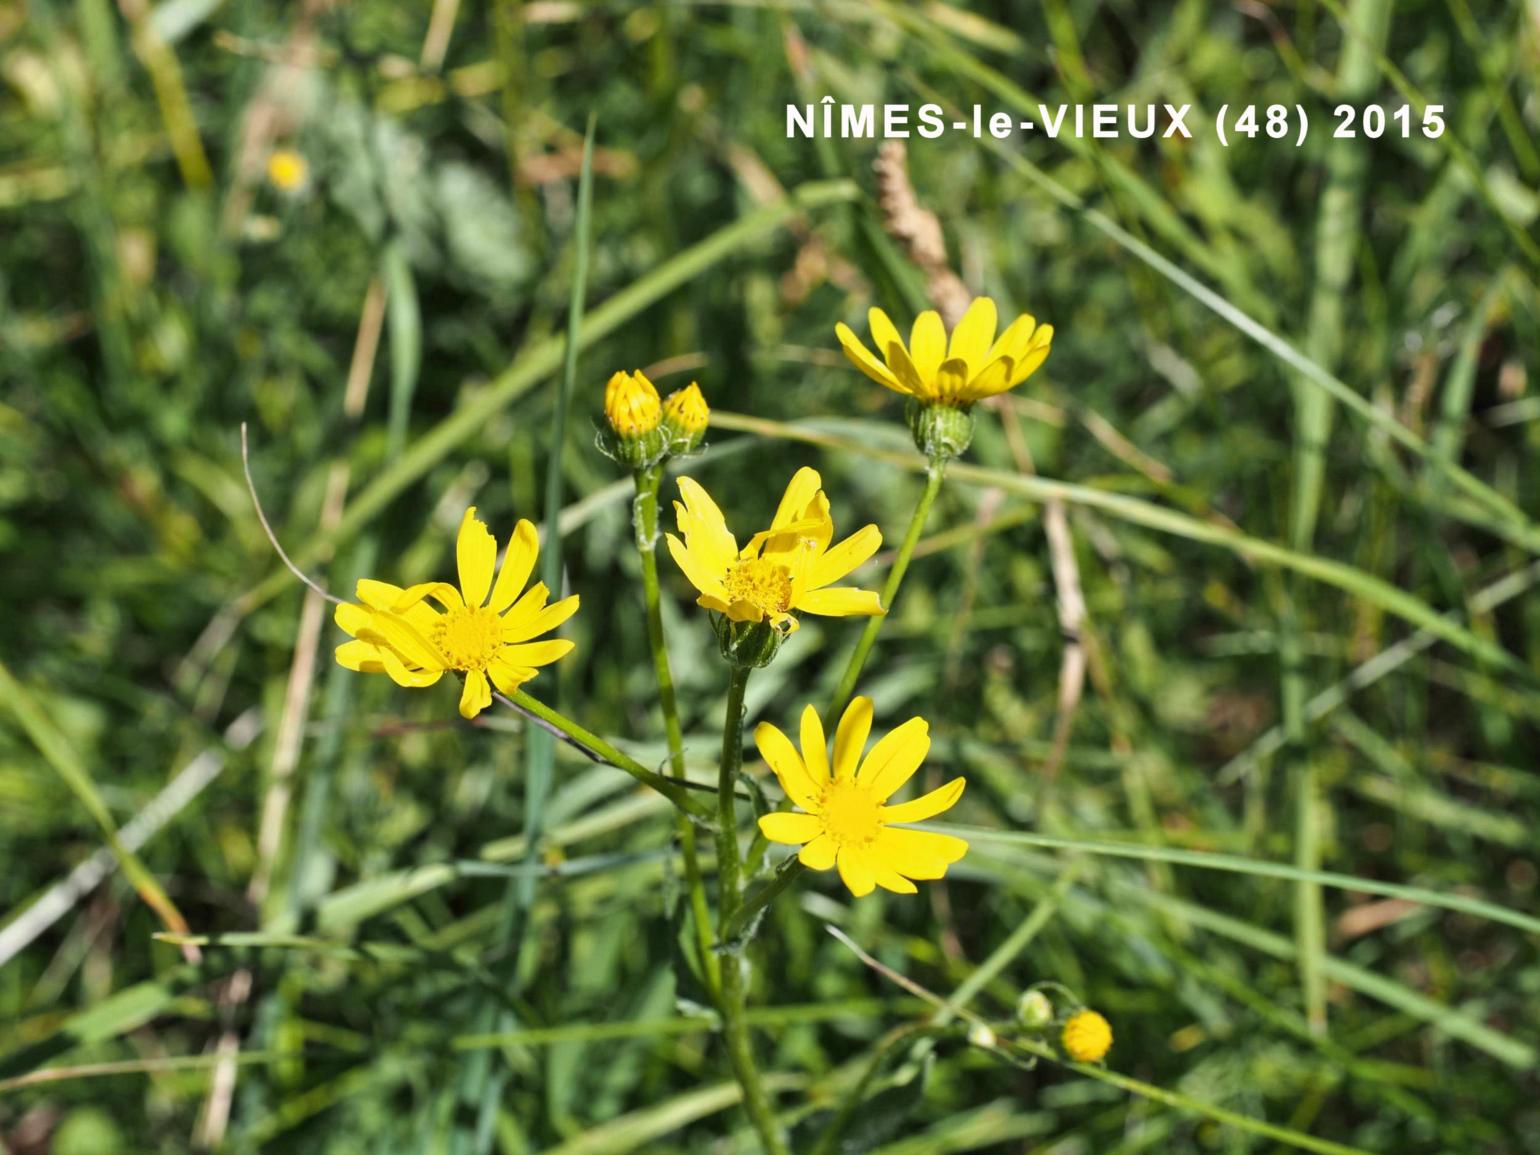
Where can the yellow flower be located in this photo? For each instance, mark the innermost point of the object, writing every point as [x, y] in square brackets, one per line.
[686, 410]
[788, 567]
[1087, 1037]
[287, 170]
[847, 822]
[631, 404]
[973, 366]
[486, 630]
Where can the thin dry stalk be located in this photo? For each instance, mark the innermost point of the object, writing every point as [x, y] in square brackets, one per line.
[915, 227]
[289, 740]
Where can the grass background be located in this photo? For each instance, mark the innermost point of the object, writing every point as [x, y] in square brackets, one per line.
[1308, 621]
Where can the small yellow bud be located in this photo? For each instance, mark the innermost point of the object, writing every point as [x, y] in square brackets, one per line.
[1087, 1037]
[631, 405]
[686, 410]
[287, 170]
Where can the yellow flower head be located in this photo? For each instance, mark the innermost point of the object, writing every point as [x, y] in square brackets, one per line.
[287, 170]
[485, 630]
[1087, 1037]
[788, 568]
[846, 822]
[686, 410]
[631, 404]
[971, 366]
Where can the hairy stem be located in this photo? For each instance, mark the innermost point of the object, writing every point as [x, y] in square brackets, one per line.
[645, 517]
[933, 475]
[735, 1028]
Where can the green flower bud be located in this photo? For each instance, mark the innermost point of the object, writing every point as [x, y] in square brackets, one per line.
[1034, 1010]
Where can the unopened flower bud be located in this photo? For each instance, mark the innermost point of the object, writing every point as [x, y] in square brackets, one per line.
[1087, 1037]
[633, 413]
[1034, 1010]
[685, 416]
[631, 404]
[981, 1035]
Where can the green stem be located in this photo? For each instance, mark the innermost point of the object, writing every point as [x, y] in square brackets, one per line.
[762, 897]
[735, 1028]
[645, 517]
[934, 472]
[729, 861]
[595, 745]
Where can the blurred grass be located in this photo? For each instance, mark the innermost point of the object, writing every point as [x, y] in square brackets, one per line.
[156, 290]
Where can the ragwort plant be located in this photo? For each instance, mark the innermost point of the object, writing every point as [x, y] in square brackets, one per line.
[839, 809]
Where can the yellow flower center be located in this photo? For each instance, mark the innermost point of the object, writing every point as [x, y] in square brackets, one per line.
[850, 814]
[762, 583]
[469, 638]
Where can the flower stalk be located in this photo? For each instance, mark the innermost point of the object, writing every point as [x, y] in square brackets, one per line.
[676, 792]
[645, 519]
[733, 997]
[934, 472]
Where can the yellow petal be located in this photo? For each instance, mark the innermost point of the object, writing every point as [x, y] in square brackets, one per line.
[909, 376]
[535, 653]
[800, 492]
[377, 595]
[509, 678]
[856, 871]
[703, 575]
[895, 758]
[776, 749]
[361, 656]
[1015, 340]
[744, 612]
[850, 737]
[790, 828]
[925, 806]
[476, 553]
[402, 637]
[704, 528]
[1030, 363]
[404, 676]
[884, 333]
[477, 695]
[840, 602]
[891, 880]
[927, 344]
[815, 747]
[991, 379]
[352, 618]
[542, 621]
[863, 360]
[974, 333]
[845, 557]
[917, 853]
[952, 379]
[394, 599]
[818, 854]
[518, 564]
